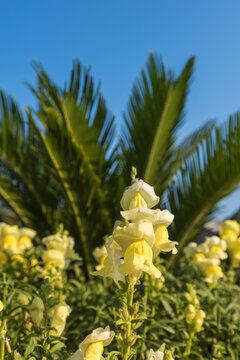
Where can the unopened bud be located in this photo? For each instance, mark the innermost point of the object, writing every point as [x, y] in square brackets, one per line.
[167, 355]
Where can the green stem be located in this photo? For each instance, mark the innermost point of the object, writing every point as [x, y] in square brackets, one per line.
[128, 329]
[2, 347]
[189, 344]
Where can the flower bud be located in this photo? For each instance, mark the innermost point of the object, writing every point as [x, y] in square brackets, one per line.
[36, 310]
[60, 315]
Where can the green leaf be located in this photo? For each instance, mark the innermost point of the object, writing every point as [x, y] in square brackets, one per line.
[211, 173]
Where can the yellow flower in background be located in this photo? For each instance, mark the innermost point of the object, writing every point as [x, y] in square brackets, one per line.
[3, 258]
[162, 242]
[213, 273]
[1, 306]
[209, 268]
[92, 347]
[126, 235]
[36, 310]
[229, 225]
[54, 257]
[61, 243]
[25, 236]
[61, 312]
[17, 259]
[213, 247]
[139, 193]
[137, 258]
[9, 243]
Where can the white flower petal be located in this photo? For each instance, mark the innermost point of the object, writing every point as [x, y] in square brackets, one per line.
[146, 191]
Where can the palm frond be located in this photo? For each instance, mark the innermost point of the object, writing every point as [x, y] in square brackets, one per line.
[209, 174]
[19, 164]
[77, 134]
[183, 151]
[154, 113]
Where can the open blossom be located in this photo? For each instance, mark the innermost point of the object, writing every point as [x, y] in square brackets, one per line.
[229, 228]
[92, 347]
[61, 243]
[209, 267]
[61, 312]
[54, 257]
[162, 242]
[111, 262]
[14, 240]
[139, 194]
[213, 247]
[126, 235]
[137, 258]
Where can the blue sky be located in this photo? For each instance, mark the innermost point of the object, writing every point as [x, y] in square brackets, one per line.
[115, 38]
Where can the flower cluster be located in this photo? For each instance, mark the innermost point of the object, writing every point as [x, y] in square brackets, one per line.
[207, 257]
[229, 231]
[138, 239]
[14, 241]
[58, 250]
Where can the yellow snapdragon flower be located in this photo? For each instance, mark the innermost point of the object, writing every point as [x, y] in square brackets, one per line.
[61, 312]
[209, 267]
[53, 257]
[92, 347]
[229, 231]
[126, 235]
[139, 194]
[162, 242]
[111, 262]
[137, 258]
[213, 247]
[61, 243]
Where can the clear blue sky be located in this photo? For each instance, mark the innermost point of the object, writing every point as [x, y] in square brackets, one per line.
[115, 37]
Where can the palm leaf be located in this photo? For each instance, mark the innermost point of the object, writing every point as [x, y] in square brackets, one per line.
[154, 113]
[183, 151]
[209, 174]
[77, 134]
[20, 172]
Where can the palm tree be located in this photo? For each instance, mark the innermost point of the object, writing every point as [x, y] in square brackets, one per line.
[62, 163]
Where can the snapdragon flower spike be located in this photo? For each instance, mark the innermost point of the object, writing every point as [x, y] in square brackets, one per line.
[92, 347]
[139, 194]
